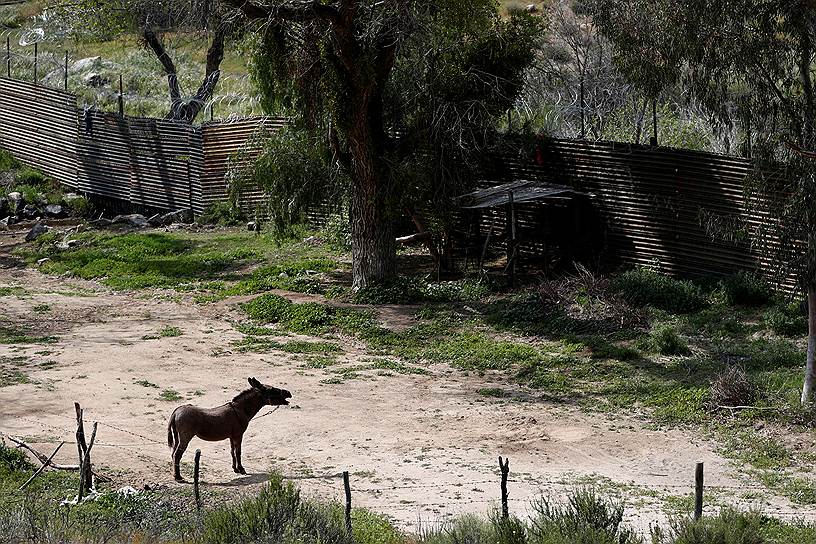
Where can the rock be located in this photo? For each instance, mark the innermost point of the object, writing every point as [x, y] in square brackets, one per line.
[6, 222]
[313, 241]
[15, 200]
[155, 220]
[101, 222]
[30, 211]
[54, 210]
[252, 226]
[95, 80]
[43, 261]
[4, 206]
[70, 197]
[68, 244]
[532, 8]
[283, 275]
[36, 231]
[179, 216]
[136, 220]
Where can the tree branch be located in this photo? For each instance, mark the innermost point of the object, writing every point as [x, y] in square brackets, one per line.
[297, 11]
[153, 41]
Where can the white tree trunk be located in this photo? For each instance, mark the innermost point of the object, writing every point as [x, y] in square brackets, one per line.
[810, 367]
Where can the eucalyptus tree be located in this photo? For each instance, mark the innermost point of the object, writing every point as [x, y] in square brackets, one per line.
[755, 59]
[382, 84]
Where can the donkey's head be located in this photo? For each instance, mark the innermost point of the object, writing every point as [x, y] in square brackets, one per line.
[272, 395]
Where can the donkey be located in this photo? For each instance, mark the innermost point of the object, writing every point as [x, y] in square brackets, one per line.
[227, 421]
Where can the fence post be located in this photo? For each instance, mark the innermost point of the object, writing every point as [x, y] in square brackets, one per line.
[698, 492]
[511, 240]
[121, 98]
[347, 487]
[36, 56]
[195, 479]
[66, 71]
[504, 466]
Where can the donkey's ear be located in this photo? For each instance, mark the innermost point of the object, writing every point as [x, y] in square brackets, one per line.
[256, 384]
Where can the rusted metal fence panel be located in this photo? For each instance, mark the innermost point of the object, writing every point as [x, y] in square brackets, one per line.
[38, 125]
[228, 147]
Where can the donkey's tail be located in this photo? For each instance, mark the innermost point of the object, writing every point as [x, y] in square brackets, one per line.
[171, 430]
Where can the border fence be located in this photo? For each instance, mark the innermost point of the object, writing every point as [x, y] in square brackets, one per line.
[646, 204]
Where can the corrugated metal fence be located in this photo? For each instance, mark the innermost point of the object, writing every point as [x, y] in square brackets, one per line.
[650, 203]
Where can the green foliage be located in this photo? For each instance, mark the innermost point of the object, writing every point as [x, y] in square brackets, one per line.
[786, 320]
[28, 176]
[221, 213]
[135, 261]
[585, 518]
[79, 206]
[729, 527]
[746, 289]
[278, 514]
[308, 317]
[665, 340]
[170, 332]
[297, 276]
[414, 289]
[14, 460]
[7, 161]
[643, 286]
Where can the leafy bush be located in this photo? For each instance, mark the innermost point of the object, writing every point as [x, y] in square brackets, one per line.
[31, 176]
[222, 213]
[729, 527]
[746, 289]
[79, 206]
[277, 514]
[7, 161]
[31, 193]
[664, 340]
[13, 460]
[585, 518]
[643, 286]
[786, 320]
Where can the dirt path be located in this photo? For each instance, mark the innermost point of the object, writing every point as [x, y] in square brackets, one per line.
[418, 446]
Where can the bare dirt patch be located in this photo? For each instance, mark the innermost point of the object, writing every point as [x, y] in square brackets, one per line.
[419, 446]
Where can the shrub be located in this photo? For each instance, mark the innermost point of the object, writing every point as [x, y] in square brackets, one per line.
[585, 518]
[786, 320]
[733, 387]
[7, 161]
[14, 460]
[746, 289]
[31, 176]
[31, 194]
[79, 206]
[729, 527]
[664, 340]
[414, 290]
[222, 213]
[309, 317]
[644, 286]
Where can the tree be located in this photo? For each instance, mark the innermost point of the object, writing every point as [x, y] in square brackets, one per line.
[753, 59]
[149, 20]
[333, 65]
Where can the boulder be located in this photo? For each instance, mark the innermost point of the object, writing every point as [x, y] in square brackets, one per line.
[43, 261]
[166, 219]
[29, 211]
[7, 222]
[95, 80]
[532, 8]
[253, 226]
[101, 222]
[135, 220]
[36, 231]
[4, 206]
[68, 244]
[54, 210]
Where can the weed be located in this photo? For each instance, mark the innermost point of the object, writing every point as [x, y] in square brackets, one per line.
[495, 392]
[7, 161]
[643, 286]
[222, 213]
[11, 376]
[664, 340]
[13, 335]
[170, 395]
[745, 289]
[729, 526]
[145, 383]
[310, 347]
[786, 320]
[170, 332]
[42, 308]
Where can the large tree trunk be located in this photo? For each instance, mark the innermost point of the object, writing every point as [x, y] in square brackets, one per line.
[373, 244]
[810, 368]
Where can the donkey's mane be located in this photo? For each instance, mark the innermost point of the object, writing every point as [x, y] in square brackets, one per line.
[243, 395]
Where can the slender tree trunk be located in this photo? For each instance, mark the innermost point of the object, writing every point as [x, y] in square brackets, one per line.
[373, 243]
[810, 368]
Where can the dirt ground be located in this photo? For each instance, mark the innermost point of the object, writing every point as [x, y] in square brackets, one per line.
[418, 447]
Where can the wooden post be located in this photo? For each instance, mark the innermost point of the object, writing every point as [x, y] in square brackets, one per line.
[504, 466]
[654, 122]
[698, 492]
[195, 479]
[85, 476]
[583, 122]
[121, 98]
[347, 487]
[66, 71]
[511, 240]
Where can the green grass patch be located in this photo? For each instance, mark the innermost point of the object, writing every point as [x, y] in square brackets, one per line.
[170, 332]
[145, 383]
[20, 335]
[170, 395]
[495, 392]
[643, 286]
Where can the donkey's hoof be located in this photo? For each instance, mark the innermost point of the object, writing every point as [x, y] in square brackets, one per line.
[240, 470]
[178, 478]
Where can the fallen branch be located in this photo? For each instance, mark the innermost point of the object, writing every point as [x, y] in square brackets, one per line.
[39, 470]
[41, 457]
[749, 408]
[417, 237]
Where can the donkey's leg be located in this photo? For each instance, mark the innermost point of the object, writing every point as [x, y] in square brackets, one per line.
[178, 451]
[232, 453]
[239, 468]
